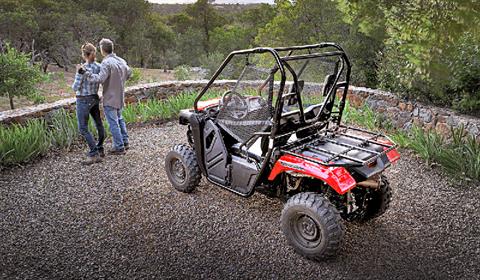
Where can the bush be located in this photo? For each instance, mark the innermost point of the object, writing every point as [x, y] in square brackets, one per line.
[37, 98]
[63, 129]
[464, 83]
[135, 77]
[17, 76]
[21, 143]
[211, 62]
[182, 73]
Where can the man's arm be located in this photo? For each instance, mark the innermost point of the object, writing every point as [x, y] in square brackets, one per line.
[100, 77]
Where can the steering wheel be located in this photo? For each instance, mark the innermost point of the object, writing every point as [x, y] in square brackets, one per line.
[234, 104]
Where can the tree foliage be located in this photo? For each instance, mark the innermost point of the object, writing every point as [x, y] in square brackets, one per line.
[17, 76]
[308, 22]
[428, 44]
[426, 49]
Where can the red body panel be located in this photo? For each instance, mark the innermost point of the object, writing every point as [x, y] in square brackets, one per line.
[202, 105]
[336, 177]
[393, 155]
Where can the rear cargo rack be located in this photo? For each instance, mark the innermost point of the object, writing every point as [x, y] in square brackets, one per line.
[328, 135]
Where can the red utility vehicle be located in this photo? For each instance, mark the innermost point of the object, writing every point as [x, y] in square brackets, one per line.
[285, 139]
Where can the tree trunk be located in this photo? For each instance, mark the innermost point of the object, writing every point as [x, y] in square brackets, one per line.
[11, 101]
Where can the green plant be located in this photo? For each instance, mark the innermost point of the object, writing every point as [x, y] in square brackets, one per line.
[135, 77]
[21, 143]
[426, 143]
[37, 98]
[211, 62]
[461, 156]
[63, 129]
[17, 76]
[182, 73]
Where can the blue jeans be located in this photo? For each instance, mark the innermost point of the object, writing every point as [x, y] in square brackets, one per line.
[118, 127]
[87, 106]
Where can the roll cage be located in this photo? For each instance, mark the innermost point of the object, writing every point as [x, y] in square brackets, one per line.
[323, 119]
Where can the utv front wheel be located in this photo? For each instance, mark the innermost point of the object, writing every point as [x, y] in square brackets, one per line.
[182, 168]
[312, 225]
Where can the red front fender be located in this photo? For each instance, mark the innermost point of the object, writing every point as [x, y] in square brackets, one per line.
[336, 177]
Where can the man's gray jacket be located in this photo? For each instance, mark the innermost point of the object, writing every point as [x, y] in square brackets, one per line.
[114, 72]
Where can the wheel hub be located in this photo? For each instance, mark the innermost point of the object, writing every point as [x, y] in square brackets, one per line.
[308, 229]
[178, 170]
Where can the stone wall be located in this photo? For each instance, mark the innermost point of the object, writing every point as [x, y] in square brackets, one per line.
[403, 114]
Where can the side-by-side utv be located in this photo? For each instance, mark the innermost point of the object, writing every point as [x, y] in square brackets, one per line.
[282, 135]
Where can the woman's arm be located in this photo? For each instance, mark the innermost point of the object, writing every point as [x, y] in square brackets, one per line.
[77, 83]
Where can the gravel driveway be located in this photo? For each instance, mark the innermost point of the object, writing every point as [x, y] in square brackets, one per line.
[122, 220]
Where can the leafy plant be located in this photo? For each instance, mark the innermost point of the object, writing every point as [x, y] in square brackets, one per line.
[37, 98]
[182, 73]
[21, 143]
[17, 76]
[426, 143]
[63, 129]
[135, 77]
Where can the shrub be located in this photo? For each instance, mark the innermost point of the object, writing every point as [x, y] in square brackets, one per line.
[135, 77]
[63, 129]
[182, 73]
[21, 143]
[17, 76]
[464, 83]
[211, 62]
[37, 98]
[459, 157]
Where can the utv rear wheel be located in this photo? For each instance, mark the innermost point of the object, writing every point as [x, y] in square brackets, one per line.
[312, 225]
[182, 168]
[379, 200]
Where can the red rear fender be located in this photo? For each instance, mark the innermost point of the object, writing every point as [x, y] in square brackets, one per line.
[336, 177]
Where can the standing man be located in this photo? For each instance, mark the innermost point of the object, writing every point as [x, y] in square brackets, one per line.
[88, 104]
[114, 72]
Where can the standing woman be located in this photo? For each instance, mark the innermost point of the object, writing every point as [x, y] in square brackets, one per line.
[88, 103]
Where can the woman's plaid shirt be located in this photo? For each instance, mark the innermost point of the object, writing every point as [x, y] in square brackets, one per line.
[82, 86]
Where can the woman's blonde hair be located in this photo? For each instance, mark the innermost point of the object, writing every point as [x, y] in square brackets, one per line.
[88, 49]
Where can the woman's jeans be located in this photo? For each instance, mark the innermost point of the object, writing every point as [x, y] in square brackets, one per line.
[118, 127]
[86, 106]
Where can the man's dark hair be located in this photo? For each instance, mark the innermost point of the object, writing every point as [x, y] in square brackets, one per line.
[106, 45]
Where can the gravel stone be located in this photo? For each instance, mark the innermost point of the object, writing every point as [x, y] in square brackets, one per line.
[121, 219]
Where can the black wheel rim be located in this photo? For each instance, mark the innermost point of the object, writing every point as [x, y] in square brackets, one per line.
[177, 170]
[306, 230]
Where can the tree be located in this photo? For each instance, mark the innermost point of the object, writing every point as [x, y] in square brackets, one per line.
[314, 21]
[17, 76]
[252, 20]
[422, 39]
[205, 18]
[162, 38]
